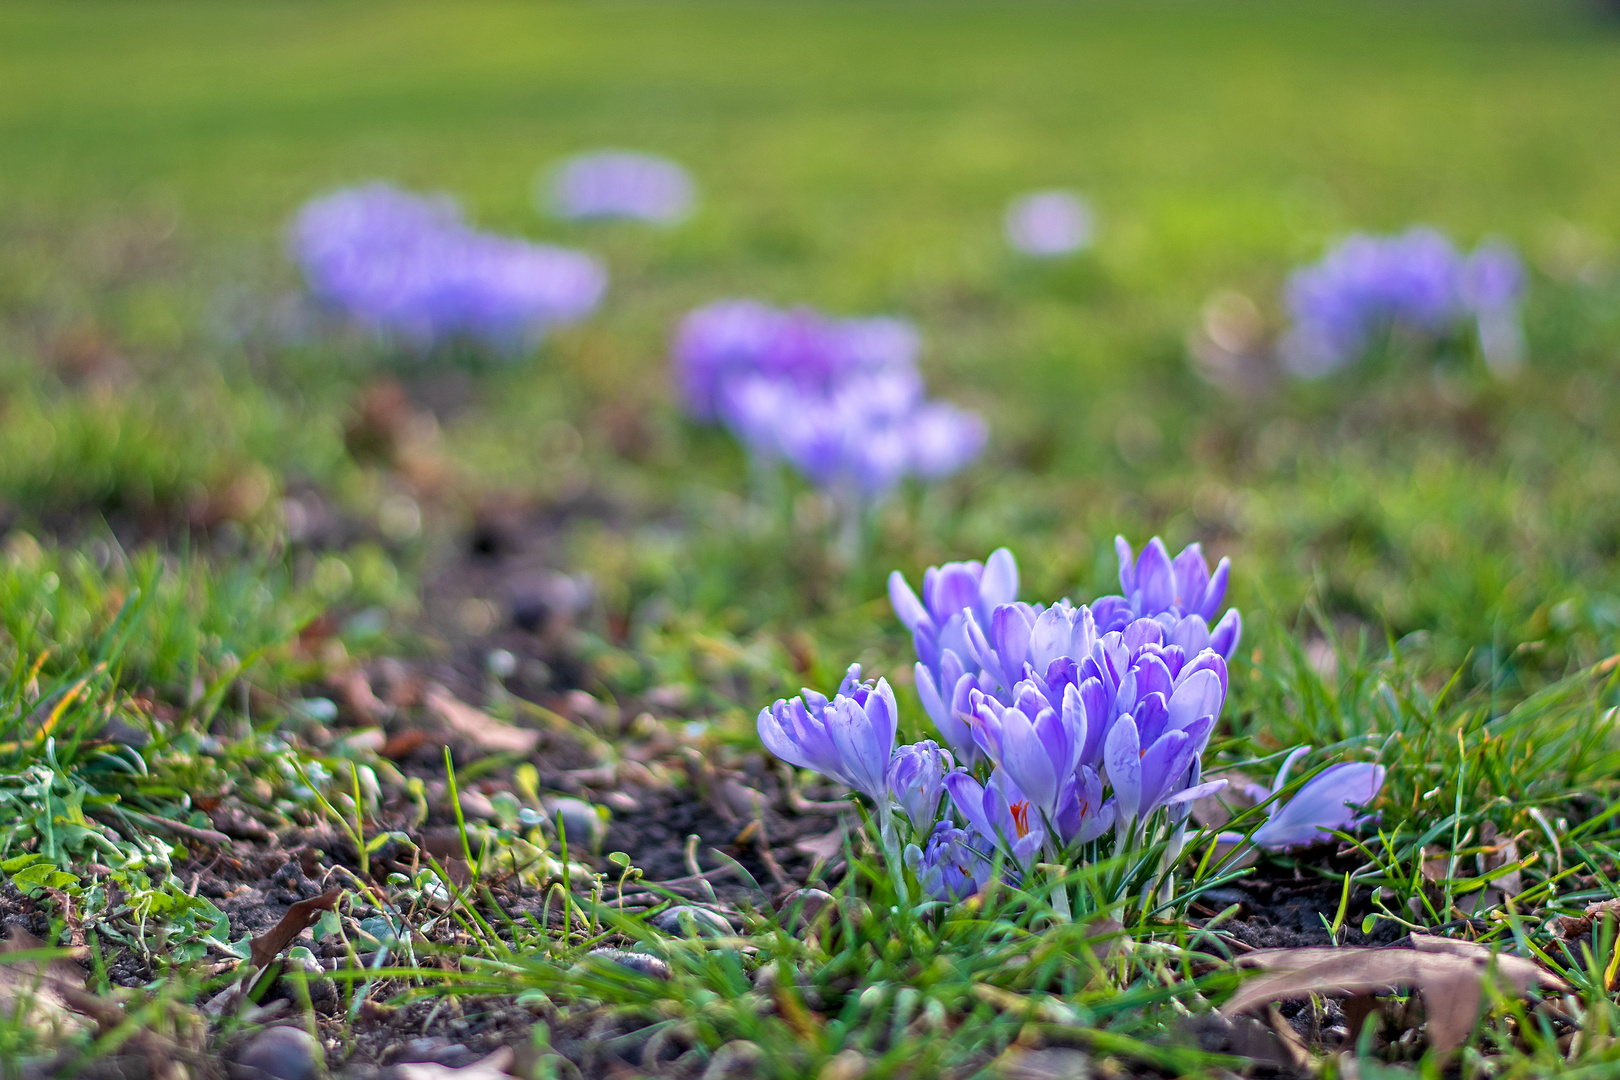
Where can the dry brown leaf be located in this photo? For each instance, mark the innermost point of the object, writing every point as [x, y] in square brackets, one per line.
[39, 994]
[494, 1067]
[477, 726]
[1570, 927]
[355, 690]
[302, 915]
[822, 848]
[1448, 974]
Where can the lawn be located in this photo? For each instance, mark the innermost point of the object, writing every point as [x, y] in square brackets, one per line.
[292, 616]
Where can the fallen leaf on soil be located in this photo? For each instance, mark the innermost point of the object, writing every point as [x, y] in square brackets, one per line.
[1571, 927]
[821, 848]
[1500, 854]
[477, 726]
[1448, 974]
[302, 915]
[38, 994]
[355, 690]
[493, 1067]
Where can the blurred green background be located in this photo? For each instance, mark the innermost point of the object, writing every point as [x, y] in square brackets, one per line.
[856, 156]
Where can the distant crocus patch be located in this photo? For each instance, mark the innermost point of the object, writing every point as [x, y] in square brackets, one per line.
[1069, 739]
[1048, 224]
[838, 400]
[408, 267]
[619, 184]
[1416, 280]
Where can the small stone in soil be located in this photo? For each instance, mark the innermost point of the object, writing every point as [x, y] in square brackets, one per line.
[801, 907]
[640, 963]
[685, 920]
[280, 1053]
[585, 826]
[435, 1051]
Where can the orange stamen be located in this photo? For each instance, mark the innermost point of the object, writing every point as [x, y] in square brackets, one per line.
[1020, 816]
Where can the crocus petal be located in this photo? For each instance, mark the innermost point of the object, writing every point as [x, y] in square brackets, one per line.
[777, 741]
[1127, 566]
[1099, 706]
[1200, 694]
[1161, 763]
[1224, 638]
[980, 649]
[1215, 591]
[967, 795]
[956, 588]
[960, 732]
[1155, 578]
[1192, 794]
[1078, 723]
[1011, 626]
[1208, 660]
[1322, 806]
[907, 607]
[1122, 760]
[1028, 760]
[1000, 582]
[1143, 632]
[1152, 675]
[1152, 716]
[1191, 635]
[933, 702]
[1192, 577]
[884, 714]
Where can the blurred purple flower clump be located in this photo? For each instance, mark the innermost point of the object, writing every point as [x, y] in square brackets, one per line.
[840, 400]
[620, 184]
[1048, 224]
[408, 267]
[1417, 280]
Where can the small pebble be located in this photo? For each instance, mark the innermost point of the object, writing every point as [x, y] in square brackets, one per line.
[686, 920]
[434, 1050]
[280, 1053]
[501, 664]
[640, 963]
[585, 826]
[801, 907]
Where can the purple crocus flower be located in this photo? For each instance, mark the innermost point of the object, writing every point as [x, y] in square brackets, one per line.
[620, 184]
[858, 441]
[999, 815]
[1083, 815]
[1030, 642]
[917, 780]
[408, 267]
[1416, 279]
[1492, 287]
[849, 739]
[731, 339]
[950, 595]
[1154, 709]
[949, 866]
[1329, 802]
[1047, 224]
[1182, 595]
[1036, 744]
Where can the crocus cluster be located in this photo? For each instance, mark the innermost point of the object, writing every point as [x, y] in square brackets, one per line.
[839, 400]
[1066, 736]
[619, 184]
[409, 268]
[1049, 224]
[1417, 280]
